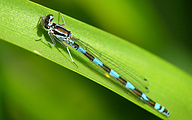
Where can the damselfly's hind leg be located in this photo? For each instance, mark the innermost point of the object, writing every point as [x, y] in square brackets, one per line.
[67, 51]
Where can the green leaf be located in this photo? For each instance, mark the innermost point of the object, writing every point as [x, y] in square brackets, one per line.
[168, 85]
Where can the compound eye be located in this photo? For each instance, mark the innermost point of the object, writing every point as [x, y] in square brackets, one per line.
[50, 17]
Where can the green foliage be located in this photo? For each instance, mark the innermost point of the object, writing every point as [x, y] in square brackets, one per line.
[168, 85]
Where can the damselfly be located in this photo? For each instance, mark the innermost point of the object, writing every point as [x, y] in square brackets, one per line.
[128, 78]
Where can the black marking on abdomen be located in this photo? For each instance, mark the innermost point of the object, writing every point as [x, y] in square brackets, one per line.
[122, 81]
[107, 69]
[76, 46]
[89, 56]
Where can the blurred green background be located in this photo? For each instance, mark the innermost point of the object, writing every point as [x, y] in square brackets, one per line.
[34, 88]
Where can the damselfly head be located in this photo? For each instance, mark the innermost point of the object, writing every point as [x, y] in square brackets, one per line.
[46, 22]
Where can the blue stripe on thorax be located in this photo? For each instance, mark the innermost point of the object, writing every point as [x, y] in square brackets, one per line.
[60, 33]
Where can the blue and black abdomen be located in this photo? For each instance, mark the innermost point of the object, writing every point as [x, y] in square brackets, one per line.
[125, 83]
